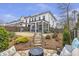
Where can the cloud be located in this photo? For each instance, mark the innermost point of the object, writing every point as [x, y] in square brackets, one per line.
[8, 18]
[39, 7]
[44, 6]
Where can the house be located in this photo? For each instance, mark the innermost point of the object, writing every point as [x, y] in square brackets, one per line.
[40, 22]
[36, 23]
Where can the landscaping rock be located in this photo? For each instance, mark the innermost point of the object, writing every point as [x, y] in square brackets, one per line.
[49, 52]
[9, 52]
[16, 54]
[75, 52]
[55, 54]
[24, 53]
[66, 51]
[75, 43]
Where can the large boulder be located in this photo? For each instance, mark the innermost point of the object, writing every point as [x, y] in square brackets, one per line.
[75, 43]
[9, 52]
[75, 52]
[66, 51]
[75, 47]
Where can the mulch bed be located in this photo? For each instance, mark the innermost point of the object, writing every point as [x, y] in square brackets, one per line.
[23, 46]
[51, 44]
[47, 43]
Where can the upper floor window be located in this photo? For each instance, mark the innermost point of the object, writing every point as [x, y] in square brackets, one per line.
[43, 17]
[29, 20]
[35, 19]
[26, 20]
[32, 19]
[39, 18]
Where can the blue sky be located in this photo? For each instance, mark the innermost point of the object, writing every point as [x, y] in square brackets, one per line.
[12, 11]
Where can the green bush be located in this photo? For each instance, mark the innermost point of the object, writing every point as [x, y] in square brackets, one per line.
[4, 39]
[22, 39]
[66, 36]
[47, 37]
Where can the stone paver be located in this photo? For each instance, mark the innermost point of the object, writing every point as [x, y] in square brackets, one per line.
[23, 53]
[47, 52]
[37, 39]
[16, 54]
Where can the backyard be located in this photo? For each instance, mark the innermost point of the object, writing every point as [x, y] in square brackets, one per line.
[24, 41]
[41, 33]
[47, 43]
[21, 43]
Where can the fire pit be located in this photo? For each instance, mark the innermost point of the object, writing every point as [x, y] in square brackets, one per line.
[36, 51]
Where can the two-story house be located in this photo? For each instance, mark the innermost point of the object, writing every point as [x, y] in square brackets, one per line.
[40, 22]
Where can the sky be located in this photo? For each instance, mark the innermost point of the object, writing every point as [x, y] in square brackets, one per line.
[13, 11]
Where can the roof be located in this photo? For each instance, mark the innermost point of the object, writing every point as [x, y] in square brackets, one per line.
[41, 14]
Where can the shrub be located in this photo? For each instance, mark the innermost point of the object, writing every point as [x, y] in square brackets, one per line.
[47, 37]
[4, 39]
[22, 40]
[66, 36]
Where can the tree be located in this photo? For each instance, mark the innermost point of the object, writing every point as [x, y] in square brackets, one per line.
[77, 24]
[74, 13]
[66, 36]
[65, 8]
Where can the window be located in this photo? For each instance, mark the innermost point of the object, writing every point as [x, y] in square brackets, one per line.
[26, 20]
[35, 19]
[43, 17]
[29, 20]
[32, 19]
[39, 18]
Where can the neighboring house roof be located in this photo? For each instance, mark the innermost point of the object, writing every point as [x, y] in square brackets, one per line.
[12, 21]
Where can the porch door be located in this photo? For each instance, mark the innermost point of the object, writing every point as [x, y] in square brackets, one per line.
[39, 27]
